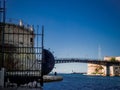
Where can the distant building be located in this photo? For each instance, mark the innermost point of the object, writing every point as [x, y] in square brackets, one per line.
[108, 58]
[18, 43]
[96, 69]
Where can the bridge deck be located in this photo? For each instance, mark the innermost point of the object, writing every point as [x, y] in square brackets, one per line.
[77, 60]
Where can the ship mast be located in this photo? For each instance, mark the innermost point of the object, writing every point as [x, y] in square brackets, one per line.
[99, 52]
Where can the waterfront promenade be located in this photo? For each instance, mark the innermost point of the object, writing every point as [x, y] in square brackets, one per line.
[21, 88]
[46, 78]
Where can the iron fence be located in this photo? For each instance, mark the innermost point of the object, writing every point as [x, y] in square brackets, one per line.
[23, 48]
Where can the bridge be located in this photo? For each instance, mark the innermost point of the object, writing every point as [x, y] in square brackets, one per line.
[92, 61]
[99, 62]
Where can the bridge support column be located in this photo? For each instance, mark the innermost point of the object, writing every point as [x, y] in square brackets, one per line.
[107, 70]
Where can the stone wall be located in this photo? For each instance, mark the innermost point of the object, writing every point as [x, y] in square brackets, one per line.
[18, 36]
[93, 69]
[18, 42]
[114, 70]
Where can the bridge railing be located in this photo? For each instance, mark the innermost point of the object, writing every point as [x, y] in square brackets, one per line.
[81, 60]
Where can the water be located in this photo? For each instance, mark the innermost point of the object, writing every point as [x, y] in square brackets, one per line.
[84, 82]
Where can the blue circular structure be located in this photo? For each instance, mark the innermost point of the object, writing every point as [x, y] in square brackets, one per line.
[48, 62]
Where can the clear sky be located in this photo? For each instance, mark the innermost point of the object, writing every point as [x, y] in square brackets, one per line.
[73, 28]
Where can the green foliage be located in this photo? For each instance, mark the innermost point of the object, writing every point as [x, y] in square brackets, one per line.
[98, 70]
[113, 59]
[100, 67]
[94, 73]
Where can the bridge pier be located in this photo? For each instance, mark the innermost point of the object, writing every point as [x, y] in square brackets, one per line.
[107, 70]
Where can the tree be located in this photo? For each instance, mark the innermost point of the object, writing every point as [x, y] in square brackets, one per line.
[96, 70]
[113, 59]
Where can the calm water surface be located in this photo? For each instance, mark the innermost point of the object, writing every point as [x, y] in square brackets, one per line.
[84, 82]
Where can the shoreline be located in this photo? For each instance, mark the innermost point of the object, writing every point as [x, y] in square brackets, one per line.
[50, 78]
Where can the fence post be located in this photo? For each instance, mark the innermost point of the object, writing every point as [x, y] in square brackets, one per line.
[2, 74]
[42, 56]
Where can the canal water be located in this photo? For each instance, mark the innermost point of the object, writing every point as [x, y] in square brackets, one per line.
[84, 82]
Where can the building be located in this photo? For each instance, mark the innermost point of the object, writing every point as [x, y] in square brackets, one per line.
[18, 43]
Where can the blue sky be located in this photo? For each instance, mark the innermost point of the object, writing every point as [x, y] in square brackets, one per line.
[73, 28]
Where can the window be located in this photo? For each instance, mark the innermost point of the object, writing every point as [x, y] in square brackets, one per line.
[31, 39]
